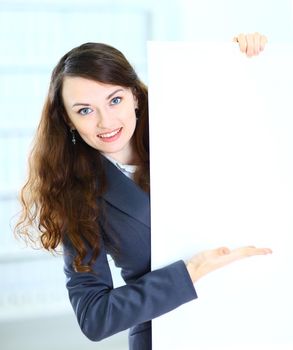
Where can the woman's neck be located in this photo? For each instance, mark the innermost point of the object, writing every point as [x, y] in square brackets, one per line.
[125, 156]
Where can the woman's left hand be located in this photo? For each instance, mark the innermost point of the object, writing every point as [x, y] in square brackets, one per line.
[251, 44]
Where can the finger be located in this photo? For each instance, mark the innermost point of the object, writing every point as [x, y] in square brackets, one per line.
[263, 251]
[256, 38]
[263, 42]
[242, 42]
[251, 251]
[250, 45]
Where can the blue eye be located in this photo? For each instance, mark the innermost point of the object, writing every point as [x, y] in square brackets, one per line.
[116, 100]
[85, 111]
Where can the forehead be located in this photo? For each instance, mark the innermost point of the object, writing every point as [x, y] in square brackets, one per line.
[78, 87]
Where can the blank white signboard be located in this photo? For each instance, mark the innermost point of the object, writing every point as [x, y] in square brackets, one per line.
[221, 127]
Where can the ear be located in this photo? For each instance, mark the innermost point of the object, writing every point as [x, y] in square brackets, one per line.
[71, 128]
[70, 125]
[135, 101]
[134, 93]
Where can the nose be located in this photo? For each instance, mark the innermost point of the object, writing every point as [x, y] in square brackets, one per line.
[103, 119]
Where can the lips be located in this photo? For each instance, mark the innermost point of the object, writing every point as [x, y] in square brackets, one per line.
[110, 136]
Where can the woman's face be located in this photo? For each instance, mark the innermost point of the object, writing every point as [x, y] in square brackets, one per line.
[104, 115]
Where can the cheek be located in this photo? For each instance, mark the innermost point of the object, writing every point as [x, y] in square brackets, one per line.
[85, 130]
[127, 118]
[132, 115]
[132, 122]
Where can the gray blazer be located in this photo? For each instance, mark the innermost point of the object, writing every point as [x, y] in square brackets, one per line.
[102, 310]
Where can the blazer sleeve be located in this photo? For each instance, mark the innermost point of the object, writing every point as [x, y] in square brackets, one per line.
[102, 310]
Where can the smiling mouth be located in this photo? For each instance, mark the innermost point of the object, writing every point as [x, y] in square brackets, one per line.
[110, 136]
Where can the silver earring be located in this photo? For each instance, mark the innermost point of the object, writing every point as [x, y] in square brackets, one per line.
[73, 136]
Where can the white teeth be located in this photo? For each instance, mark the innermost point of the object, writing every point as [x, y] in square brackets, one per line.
[110, 134]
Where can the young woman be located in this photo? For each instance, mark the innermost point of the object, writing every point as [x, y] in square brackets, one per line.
[88, 189]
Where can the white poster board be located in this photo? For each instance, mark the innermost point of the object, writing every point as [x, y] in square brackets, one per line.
[221, 130]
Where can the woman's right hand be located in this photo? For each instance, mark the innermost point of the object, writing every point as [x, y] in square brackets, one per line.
[210, 260]
[251, 44]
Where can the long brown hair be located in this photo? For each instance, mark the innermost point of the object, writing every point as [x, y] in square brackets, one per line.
[60, 198]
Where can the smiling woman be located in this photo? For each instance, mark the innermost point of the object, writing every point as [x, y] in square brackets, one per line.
[88, 189]
[106, 120]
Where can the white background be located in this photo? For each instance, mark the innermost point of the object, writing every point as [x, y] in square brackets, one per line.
[222, 174]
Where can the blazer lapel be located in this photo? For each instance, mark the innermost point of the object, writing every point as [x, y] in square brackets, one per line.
[125, 194]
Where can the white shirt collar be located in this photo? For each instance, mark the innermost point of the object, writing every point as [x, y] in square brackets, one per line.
[127, 169]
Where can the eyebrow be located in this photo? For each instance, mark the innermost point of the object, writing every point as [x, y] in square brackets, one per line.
[108, 98]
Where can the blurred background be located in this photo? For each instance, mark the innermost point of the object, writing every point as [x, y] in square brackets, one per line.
[34, 307]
